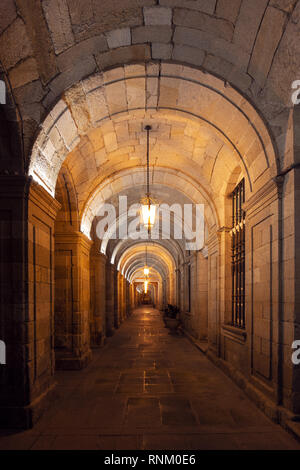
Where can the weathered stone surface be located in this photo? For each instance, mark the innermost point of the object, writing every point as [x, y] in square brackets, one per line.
[188, 54]
[135, 93]
[152, 92]
[67, 128]
[285, 67]
[81, 52]
[157, 16]
[29, 98]
[197, 20]
[151, 34]
[76, 99]
[216, 46]
[118, 38]
[116, 97]
[97, 105]
[228, 71]
[161, 51]
[286, 5]
[248, 22]
[124, 55]
[14, 44]
[228, 10]
[91, 18]
[68, 78]
[58, 19]
[7, 13]
[81, 13]
[23, 73]
[38, 33]
[207, 6]
[134, 70]
[266, 44]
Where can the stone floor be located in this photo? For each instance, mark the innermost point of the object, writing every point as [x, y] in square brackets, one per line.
[147, 389]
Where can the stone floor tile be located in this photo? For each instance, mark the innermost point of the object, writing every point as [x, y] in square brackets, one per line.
[143, 411]
[147, 389]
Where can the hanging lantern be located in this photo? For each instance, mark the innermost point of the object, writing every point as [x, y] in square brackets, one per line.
[148, 214]
[148, 208]
[146, 271]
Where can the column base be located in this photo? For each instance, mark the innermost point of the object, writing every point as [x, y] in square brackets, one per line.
[98, 343]
[25, 417]
[73, 363]
[110, 332]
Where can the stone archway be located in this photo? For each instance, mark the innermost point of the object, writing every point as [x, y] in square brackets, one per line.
[213, 124]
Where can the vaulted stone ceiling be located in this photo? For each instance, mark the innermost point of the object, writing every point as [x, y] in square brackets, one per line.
[207, 75]
[204, 137]
[159, 259]
[41, 57]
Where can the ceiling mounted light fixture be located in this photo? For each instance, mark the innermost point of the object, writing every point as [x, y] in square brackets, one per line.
[148, 209]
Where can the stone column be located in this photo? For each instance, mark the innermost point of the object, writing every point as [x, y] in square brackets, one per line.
[132, 297]
[98, 297]
[72, 302]
[27, 216]
[292, 276]
[127, 298]
[116, 305]
[121, 298]
[110, 298]
[124, 312]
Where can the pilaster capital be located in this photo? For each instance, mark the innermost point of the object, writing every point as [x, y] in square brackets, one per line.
[73, 238]
[42, 199]
[23, 187]
[269, 193]
[99, 257]
[213, 241]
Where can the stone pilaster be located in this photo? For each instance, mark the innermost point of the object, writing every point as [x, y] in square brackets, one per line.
[116, 301]
[72, 302]
[27, 216]
[98, 300]
[213, 246]
[110, 299]
[264, 320]
[202, 296]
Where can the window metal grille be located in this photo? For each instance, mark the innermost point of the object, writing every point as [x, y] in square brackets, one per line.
[238, 256]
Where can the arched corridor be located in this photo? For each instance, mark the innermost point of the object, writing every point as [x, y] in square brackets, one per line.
[149, 172]
[148, 389]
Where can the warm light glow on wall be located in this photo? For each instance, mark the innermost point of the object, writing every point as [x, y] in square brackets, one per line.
[146, 287]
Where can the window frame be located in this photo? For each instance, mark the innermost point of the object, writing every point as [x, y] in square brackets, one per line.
[238, 257]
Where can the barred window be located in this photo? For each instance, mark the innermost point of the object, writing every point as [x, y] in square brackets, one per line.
[238, 256]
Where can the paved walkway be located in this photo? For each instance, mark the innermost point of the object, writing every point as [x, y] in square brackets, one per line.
[149, 390]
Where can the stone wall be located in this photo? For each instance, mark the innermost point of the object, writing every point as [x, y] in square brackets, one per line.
[234, 39]
[27, 299]
[72, 313]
